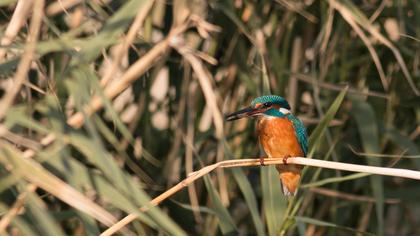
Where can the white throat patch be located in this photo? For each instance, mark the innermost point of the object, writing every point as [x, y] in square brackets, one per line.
[284, 111]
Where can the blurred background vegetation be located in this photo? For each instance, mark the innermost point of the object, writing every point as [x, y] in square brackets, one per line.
[107, 103]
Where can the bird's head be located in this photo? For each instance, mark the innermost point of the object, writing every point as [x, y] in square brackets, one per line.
[268, 105]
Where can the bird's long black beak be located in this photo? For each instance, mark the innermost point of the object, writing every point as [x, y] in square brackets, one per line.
[246, 112]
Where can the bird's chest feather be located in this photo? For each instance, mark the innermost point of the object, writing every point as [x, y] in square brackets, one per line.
[278, 138]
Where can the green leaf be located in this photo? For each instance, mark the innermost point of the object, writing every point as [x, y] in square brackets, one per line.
[19, 222]
[36, 174]
[250, 199]
[334, 180]
[368, 130]
[226, 223]
[113, 28]
[7, 67]
[188, 206]
[77, 172]
[10, 180]
[228, 11]
[315, 138]
[7, 2]
[327, 224]
[44, 220]
[247, 191]
[274, 203]
[404, 142]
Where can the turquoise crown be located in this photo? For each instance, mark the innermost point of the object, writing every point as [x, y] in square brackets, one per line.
[273, 99]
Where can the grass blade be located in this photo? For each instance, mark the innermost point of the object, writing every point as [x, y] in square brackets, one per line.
[315, 138]
[328, 224]
[273, 201]
[36, 174]
[368, 130]
[250, 199]
[226, 223]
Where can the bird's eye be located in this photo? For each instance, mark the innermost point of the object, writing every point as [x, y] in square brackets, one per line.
[267, 104]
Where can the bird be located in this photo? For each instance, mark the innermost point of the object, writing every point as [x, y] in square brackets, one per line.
[281, 135]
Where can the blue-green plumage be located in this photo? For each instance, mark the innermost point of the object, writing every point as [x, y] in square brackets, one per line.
[273, 99]
[300, 129]
[281, 135]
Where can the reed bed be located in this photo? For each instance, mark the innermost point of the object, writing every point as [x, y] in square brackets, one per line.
[112, 116]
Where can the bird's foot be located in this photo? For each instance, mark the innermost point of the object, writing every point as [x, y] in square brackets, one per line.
[285, 159]
[262, 161]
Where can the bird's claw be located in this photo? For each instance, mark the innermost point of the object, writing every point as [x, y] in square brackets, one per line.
[285, 159]
[262, 161]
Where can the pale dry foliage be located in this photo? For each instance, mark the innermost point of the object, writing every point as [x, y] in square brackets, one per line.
[106, 104]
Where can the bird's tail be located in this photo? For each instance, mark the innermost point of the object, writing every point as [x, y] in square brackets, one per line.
[289, 178]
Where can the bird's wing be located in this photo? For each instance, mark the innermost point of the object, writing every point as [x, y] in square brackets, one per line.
[300, 131]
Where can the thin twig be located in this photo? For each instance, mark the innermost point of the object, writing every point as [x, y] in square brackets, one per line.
[364, 220]
[381, 155]
[18, 139]
[298, 8]
[330, 86]
[349, 196]
[411, 174]
[378, 11]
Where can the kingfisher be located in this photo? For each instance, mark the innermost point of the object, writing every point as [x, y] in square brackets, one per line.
[281, 135]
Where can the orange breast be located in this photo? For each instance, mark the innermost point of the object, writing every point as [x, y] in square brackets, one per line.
[277, 137]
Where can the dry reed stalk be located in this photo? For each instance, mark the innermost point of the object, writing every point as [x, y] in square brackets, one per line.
[352, 22]
[298, 8]
[189, 139]
[347, 15]
[45, 180]
[133, 73]
[294, 68]
[378, 11]
[328, 30]
[27, 57]
[404, 173]
[18, 139]
[364, 220]
[313, 229]
[127, 41]
[21, 13]
[204, 81]
[16, 208]
[221, 178]
[330, 86]
[349, 196]
[59, 6]
[309, 120]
